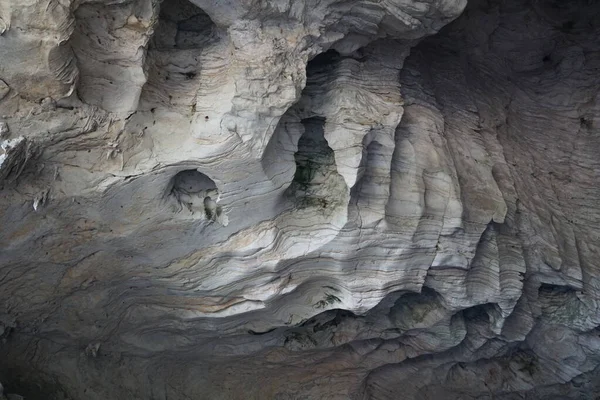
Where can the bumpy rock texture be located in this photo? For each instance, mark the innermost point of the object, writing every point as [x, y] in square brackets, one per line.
[275, 199]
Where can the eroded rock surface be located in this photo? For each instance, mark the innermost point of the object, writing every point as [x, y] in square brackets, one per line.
[275, 199]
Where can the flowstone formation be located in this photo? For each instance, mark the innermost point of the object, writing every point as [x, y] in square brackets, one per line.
[274, 199]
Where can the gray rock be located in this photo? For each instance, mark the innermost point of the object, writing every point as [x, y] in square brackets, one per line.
[301, 199]
[4, 89]
[4, 130]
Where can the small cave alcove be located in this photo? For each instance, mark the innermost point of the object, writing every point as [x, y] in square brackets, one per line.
[182, 37]
[196, 192]
[182, 25]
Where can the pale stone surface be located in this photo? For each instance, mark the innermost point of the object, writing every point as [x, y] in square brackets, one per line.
[299, 199]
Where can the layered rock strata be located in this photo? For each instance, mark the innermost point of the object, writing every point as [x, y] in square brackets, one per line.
[299, 199]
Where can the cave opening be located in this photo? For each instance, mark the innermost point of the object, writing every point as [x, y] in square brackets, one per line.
[316, 172]
[196, 192]
[174, 59]
[182, 25]
[297, 127]
[325, 60]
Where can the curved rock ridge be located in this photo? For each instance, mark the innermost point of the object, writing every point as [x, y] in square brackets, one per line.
[299, 199]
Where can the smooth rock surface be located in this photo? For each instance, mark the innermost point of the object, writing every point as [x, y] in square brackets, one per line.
[277, 199]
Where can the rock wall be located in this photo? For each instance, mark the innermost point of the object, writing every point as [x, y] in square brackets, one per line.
[300, 199]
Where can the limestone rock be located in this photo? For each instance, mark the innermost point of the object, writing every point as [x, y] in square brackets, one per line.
[14, 155]
[300, 199]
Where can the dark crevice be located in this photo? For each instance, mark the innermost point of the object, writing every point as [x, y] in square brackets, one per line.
[316, 171]
[323, 60]
[182, 25]
[547, 289]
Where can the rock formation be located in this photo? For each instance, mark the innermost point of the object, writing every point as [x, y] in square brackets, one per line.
[308, 199]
